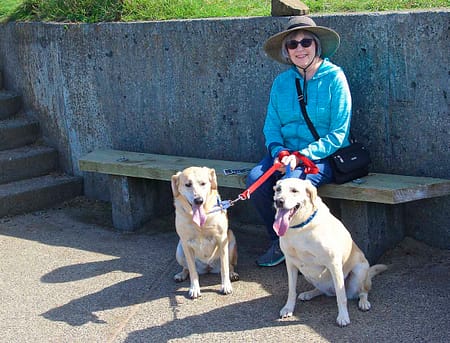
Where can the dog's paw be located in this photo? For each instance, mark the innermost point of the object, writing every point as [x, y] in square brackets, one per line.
[181, 276]
[364, 305]
[226, 288]
[286, 312]
[234, 276]
[194, 292]
[343, 320]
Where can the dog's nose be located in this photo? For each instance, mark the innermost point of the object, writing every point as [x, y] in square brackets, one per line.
[198, 200]
[279, 202]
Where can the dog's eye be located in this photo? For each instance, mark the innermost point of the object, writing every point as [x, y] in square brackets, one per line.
[202, 183]
[188, 184]
[294, 190]
[278, 189]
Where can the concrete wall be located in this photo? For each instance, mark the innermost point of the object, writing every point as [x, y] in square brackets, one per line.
[200, 88]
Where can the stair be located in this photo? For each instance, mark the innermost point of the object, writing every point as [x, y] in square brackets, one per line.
[27, 162]
[9, 104]
[29, 175]
[18, 132]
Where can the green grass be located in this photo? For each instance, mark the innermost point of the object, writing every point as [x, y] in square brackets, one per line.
[6, 7]
[171, 9]
[91, 11]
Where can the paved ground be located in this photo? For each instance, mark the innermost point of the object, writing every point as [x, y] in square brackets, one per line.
[66, 276]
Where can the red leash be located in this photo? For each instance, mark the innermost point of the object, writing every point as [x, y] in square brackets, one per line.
[308, 167]
[246, 194]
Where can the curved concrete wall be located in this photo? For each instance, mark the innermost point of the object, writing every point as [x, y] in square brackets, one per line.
[200, 88]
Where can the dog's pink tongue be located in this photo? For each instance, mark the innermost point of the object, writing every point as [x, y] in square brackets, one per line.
[281, 223]
[198, 215]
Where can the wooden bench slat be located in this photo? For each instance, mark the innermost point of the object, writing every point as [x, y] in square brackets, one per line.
[379, 188]
[158, 167]
[388, 189]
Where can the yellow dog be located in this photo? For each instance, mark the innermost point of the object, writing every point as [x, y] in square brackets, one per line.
[318, 245]
[206, 244]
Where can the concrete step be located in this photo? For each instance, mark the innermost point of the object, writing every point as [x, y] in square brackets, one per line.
[10, 104]
[18, 132]
[38, 193]
[27, 162]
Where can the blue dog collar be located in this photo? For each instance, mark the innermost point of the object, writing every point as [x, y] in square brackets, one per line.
[306, 222]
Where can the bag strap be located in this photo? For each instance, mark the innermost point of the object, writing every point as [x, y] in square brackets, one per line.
[301, 100]
[311, 127]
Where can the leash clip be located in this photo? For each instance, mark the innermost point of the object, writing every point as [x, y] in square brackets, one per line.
[226, 204]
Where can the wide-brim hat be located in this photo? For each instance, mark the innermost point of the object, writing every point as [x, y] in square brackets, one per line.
[329, 39]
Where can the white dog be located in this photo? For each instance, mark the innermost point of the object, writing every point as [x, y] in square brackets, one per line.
[318, 245]
[206, 244]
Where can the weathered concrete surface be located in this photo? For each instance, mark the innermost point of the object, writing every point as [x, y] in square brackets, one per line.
[200, 88]
[288, 8]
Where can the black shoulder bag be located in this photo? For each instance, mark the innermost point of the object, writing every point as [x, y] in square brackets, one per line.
[348, 163]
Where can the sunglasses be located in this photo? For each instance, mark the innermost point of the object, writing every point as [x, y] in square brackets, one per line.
[293, 44]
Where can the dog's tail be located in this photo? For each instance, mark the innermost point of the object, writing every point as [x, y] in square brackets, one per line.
[376, 269]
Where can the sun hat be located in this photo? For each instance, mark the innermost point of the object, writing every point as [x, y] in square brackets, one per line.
[329, 39]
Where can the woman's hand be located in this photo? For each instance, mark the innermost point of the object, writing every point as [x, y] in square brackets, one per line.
[293, 160]
[287, 160]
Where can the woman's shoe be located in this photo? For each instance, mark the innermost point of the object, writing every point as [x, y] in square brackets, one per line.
[272, 257]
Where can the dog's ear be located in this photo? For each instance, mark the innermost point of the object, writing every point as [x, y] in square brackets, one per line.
[174, 184]
[276, 185]
[213, 178]
[311, 191]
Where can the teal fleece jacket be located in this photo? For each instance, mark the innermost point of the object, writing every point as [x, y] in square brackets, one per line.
[329, 107]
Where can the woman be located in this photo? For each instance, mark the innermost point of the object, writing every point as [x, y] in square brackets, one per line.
[306, 47]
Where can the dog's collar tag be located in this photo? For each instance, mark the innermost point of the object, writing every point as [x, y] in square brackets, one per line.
[306, 222]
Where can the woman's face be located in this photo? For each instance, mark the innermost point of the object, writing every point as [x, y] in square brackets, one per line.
[301, 48]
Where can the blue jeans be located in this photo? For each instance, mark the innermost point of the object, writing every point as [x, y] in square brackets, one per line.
[262, 197]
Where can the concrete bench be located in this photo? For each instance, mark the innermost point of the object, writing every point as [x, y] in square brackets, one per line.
[372, 210]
